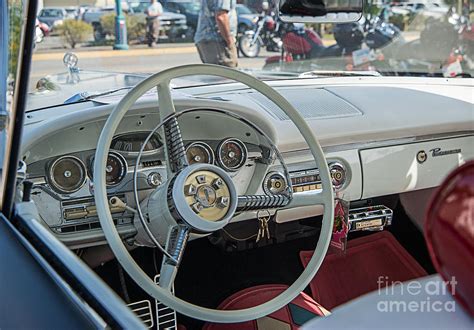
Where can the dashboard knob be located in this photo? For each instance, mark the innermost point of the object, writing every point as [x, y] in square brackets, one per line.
[274, 183]
[154, 179]
[338, 174]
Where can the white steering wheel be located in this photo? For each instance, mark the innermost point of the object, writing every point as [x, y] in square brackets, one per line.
[172, 209]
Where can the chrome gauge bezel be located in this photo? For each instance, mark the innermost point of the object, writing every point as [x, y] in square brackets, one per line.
[244, 154]
[134, 153]
[207, 148]
[122, 161]
[267, 191]
[54, 184]
[345, 178]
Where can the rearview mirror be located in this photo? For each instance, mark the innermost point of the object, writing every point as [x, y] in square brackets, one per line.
[320, 11]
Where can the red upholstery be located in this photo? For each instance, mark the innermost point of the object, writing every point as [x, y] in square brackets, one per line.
[449, 233]
[258, 295]
[343, 278]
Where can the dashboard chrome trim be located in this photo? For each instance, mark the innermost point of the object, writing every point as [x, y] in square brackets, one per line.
[124, 169]
[385, 143]
[244, 154]
[135, 153]
[206, 147]
[55, 186]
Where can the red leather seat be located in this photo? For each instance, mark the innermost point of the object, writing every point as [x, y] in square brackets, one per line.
[299, 311]
[449, 233]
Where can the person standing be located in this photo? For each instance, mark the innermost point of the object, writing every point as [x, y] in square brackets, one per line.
[153, 12]
[216, 31]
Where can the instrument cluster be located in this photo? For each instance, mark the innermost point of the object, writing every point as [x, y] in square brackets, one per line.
[67, 174]
[230, 154]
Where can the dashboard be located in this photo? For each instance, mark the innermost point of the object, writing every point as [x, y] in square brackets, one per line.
[371, 145]
[63, 182]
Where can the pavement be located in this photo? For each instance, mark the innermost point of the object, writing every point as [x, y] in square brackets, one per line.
[137, 59]
[95, 52]
[48, 56]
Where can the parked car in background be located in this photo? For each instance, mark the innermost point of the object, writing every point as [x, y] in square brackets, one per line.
[72, 12]
[173, 25]
[427, 8]
[189, 8]
[92, 16]
[246, 18]
[52, 16]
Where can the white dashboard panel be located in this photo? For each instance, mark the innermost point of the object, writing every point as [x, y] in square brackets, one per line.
[396, 169]
[352, 190]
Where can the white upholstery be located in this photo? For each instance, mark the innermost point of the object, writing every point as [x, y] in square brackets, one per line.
[365, 312]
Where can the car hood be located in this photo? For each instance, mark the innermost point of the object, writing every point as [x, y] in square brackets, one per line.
[67, 87]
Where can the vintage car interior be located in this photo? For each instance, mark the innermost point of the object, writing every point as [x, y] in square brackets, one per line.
[214, 205]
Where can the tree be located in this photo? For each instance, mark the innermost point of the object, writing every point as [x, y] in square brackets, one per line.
[73, 32]
[136, 26]
[15, 14]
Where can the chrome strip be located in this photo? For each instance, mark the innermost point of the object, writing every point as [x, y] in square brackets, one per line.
[386, 143]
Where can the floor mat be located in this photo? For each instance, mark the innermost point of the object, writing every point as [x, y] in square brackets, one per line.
[368, 261]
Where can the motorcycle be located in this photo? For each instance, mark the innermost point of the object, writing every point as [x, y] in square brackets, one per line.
[302, 44]
[445, 45]
[266, 33]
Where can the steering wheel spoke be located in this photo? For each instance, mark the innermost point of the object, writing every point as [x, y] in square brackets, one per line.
[174, 145]
[280, 201]
[176, 241]
[307, 198]
[261, 202]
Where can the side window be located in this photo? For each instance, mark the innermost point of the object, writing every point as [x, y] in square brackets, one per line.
[12, 19]
[15, 24]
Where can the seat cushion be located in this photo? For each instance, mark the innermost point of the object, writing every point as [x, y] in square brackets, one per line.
[420, 306]
[302, 309]
[342, 278]
[449, 233]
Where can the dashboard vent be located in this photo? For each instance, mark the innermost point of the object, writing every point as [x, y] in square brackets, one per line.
[311, 103]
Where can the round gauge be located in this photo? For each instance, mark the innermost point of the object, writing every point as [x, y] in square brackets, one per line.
[115, 169]
[67, 174]
[232, 154]
[199, 152]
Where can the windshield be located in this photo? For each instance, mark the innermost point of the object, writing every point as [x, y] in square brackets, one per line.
[243, 10]
[51, 13]
[139, 7]
[191, 7]
[429, 39]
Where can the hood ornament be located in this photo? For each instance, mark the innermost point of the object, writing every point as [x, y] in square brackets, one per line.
[70, 61]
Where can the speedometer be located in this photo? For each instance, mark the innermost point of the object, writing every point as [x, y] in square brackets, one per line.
[232, 154]
[199, 152]
[133, 142]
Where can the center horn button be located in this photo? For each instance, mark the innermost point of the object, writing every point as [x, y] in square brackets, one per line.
[207, 195]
